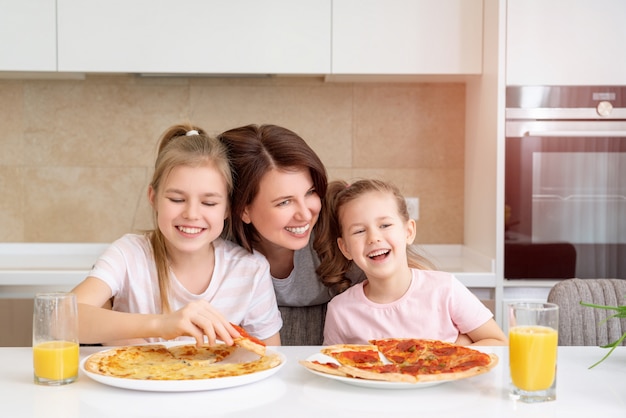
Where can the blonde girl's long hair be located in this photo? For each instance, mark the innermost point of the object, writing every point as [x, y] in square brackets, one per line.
[182, 145]
[333, 265]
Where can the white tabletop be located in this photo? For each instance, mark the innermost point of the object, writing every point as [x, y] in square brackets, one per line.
[295, 392]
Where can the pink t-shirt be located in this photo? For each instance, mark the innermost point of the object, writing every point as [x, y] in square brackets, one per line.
[436, 306]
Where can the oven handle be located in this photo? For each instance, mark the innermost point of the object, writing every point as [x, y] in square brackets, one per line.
[577, 133]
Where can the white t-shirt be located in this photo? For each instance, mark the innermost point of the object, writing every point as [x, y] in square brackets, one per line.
[436, 306]
[240, 288]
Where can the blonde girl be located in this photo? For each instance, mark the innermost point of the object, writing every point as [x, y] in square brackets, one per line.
[369, 226]
[180, 280]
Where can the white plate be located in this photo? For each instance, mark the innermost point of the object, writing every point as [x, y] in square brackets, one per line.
[239, 355]
[377, 384]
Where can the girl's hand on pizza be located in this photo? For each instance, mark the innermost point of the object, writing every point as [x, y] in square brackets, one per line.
[198, 319]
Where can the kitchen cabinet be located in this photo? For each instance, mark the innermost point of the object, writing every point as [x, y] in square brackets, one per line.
[565, 42]
[28, 35]
[195, 36]
[407, 37]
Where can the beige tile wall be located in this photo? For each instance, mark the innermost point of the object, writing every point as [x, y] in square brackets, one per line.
[76, 155]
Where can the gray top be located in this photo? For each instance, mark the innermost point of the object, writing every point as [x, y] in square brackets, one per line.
[303, 287]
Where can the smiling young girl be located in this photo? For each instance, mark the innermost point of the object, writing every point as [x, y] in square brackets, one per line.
[180, 280]
[370, 227]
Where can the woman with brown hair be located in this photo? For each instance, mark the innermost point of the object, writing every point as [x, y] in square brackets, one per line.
[280, 184]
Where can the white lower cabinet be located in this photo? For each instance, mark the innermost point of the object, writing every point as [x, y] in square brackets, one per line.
[195, 36]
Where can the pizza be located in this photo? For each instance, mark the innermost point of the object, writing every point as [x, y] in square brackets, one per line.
[408, 360]
[202, 355]
[249, 342]
[181, 362]
[354, 355]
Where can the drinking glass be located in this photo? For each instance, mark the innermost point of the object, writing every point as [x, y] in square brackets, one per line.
[55, 338]
[533, 342]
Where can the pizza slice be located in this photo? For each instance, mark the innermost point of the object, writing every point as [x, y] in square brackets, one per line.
[461, 358]
[385, 372]
[356, 355]
[249, 342]
[444, 368]
[324, 367]
[401, 350]
[427, 357]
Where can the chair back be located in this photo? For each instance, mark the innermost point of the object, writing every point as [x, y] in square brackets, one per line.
[302, 325]
[582, 325]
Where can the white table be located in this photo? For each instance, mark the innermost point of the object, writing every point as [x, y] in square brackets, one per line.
[295, 392]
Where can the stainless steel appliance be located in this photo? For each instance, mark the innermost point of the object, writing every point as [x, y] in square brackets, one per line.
[565, 182]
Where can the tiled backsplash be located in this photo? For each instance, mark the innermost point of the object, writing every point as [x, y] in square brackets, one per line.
[77, 154]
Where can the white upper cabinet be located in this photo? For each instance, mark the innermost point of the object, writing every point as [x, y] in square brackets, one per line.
[28, 35]
[407, 37]
[565, 42]
[195, 36]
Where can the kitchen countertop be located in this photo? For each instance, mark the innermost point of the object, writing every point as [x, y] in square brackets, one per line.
[294, 391]
[26, 268]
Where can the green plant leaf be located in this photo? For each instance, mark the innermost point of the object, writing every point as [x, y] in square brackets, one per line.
[621, 313]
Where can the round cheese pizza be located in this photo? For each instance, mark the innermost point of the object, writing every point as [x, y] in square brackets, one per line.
[180, 362]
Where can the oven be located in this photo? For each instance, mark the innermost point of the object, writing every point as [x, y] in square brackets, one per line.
[565, 182]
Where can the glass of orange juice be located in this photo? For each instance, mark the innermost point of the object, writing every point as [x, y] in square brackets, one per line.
[533, 342]
[55, 338]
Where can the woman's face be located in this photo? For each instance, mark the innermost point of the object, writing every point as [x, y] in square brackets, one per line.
[285, 209]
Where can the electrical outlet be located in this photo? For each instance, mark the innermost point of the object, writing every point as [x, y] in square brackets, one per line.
[413, 205]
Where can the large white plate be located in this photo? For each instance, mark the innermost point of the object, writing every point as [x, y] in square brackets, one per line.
[377, 384]
[239, 355]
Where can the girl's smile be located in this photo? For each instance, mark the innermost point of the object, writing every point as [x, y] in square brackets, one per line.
[190, 230]
[379, 255]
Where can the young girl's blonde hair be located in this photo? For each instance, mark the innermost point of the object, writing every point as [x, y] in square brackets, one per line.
[182, 145]
[333, 265]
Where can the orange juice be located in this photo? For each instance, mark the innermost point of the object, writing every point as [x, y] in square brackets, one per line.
[56, 360]
[532, 355]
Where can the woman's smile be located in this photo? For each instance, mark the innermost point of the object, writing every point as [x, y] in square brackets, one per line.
[299, 230]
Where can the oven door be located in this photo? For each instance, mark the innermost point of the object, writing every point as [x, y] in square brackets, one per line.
[565, 199]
